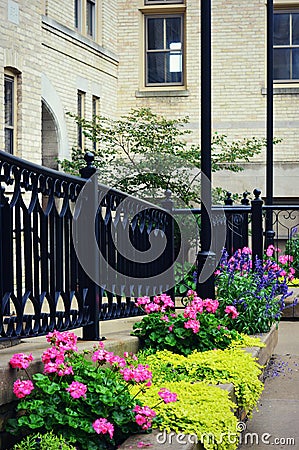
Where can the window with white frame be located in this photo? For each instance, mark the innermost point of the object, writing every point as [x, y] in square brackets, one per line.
[9, 112]
[286, 45]
[85, 17]
[164, 48]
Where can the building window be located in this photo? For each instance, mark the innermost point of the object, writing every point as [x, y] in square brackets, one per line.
[90, 18]
[286, 45]
[85, 17]
[9, 108]
[95, 114]
[78, 15]
[164, 50]
[80, 114]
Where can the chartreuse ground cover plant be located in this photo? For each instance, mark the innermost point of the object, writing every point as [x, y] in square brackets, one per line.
[205, 412]
[85, 398]
[232, 365]
[46, 441]
[258, 294]
[202, 326]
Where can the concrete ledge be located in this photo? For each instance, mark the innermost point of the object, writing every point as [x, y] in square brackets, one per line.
[270, 339]
[291, 310]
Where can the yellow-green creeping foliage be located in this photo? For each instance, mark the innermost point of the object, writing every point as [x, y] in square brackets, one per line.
[234, 366]
[201, 410]
[247, 341]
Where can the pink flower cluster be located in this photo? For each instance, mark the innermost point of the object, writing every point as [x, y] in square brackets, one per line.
[283, 267]
[22, 388]
[144, 416]
[102, 426]
[139, 374]
[20, 361]
[65, 340]
[167, 396]
[77, 389]
[193, 324]
[161, 303]
[231, 310]
[103, 356]
[54, 361]
[197, 305]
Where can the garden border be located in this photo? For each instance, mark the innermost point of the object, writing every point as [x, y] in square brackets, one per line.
[118, 343]
[176, 442]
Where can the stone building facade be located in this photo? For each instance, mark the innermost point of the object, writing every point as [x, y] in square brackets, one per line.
[86, 56]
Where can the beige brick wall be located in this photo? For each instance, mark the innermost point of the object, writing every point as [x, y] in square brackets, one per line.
[20, 50]
[239, 75]
[49, 48]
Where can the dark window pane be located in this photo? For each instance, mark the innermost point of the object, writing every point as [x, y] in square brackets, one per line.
[80, 115]
[281, 29]
[295, 64]
[8, 100]
[295, 28]
[173, 30]
[90, 6]
[156, 68]
[155, 34]
[9, 140]
[77, 14]
[281, 64]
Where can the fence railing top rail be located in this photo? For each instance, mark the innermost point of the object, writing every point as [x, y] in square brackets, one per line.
[229, 208]
[32, 167]
[280, 207]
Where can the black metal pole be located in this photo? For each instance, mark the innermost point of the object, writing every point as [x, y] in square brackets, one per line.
[205, 258]
[269, 162]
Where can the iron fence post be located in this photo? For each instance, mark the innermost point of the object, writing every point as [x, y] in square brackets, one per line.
[168, 204]
[91, 332]
[269, 234]
[206, 258]
[257, 226]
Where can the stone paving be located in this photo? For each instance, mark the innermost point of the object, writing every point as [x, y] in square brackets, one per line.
[276, 423]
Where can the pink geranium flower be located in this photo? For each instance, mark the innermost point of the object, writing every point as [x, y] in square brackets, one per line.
[21, 361]
[102, 426]
[193, 324]
[77, 389]
[22, 388]
[144, 416]
[167, 395]
[231, 310]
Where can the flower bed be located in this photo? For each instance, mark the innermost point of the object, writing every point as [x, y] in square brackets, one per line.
[97, 399]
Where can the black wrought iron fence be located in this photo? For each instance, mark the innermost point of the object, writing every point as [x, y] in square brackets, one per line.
[43, 285]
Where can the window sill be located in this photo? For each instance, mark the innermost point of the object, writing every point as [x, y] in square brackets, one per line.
[162, 93]
[282, 91]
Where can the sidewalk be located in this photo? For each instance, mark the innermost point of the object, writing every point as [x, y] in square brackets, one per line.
[275, 424]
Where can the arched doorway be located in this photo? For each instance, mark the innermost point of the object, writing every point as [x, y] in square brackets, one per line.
[49, 138]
